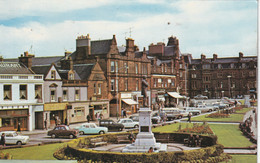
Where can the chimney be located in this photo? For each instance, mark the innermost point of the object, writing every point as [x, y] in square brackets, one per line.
[26, 59]
[202, 57]
[136, 48]
[67, 63]
[67, 53]
[157, 49]
[173, 41]
[83, 46]
[241, 55]
[130, 46]
[215, 56]
[1, 58]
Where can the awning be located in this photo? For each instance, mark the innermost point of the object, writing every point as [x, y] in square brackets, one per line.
[161, 98]
[130, 101]
[175, 94]
[55, 106]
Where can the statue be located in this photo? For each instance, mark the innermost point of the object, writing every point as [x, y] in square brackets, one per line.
[144, 91]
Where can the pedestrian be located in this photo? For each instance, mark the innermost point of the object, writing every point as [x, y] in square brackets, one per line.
[88, 118]
[131, 137]
[189, 117]
[191, 140]
[2, 141]
[45, 124]
[124, 114]
[19, 127]
[98, 116]
[150, 150]
[66, 121]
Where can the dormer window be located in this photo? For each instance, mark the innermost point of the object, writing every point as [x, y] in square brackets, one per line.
[71, 76]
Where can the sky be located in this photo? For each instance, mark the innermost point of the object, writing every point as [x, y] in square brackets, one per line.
[50, 27]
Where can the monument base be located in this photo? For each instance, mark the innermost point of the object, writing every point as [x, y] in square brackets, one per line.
[247, 100]
[132, 148]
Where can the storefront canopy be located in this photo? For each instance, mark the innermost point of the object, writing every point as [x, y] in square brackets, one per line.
[175, 95]
[161, 98]
[130, 101]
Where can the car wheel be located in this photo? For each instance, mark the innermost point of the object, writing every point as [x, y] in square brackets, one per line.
[120, 129]
[210, 110]
[19, 143]
[101, 132]
[53, 136]
[71, 136]
[136, 126]
[81, 133]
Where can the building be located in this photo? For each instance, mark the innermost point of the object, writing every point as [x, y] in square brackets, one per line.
[21, 97]
[216, 77]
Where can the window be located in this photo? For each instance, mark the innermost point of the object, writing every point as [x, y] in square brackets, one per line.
[169, 80]
[79, 111]
[95, 89]
[243, 65]
[180, 65]
[112, 67]
[71, 76]
[165, 83]
[117, 84]
[116, 66]
[136, 68]
[126, 85]
[206, 66]
[181, 74]
[77, 94]
[112, 84]
[232, 65]
[53, 95]
[173, 83]
[155, 83]
[53, 74]
[193, 75]
[136, 85]
[126, 67]
[219, 75]
[159, 80]
[23, 92]
[251, 73]
[65, 95]
[38, 91]
[7, 92]
[99, 88]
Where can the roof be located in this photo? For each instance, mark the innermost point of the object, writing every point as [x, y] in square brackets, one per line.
[83, 70]
[101, 46]
[13, 68]
[226, 60]
[39, 60]
[41, 69]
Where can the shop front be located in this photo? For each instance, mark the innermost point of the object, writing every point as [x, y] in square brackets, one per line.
[9, 119]
[128, 104]
[173, 99]
[99, 107]
[56, 113]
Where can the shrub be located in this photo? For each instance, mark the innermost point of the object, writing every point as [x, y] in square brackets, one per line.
[197, 129]
[5, 156]
[218, 115]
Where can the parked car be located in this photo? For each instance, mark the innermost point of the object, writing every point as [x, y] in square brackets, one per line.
[111, 125]
[172, 113]
[184, 113]
[192, 110]
[200, 97]
[12, 137]
[205, 108]
[129, 123]
[91, 128]
[135, 118]
[156, 118]
[63, 130]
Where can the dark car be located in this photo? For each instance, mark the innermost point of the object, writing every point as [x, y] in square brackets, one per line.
[111, 125]
[63, 130]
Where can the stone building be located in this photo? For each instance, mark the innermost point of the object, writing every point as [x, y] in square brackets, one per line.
[216, 77]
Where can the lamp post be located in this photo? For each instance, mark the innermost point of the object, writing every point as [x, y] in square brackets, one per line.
[229, 76]
[117, 101]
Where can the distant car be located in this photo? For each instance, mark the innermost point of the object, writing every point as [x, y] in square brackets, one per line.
[111, 125]
[192, 110]
[205, 108]
[172, 113]
[156, 118]
[200, 97]
[91, 128]
[135, 118]
[129, 123]
[184, 113]
[11, 137]
[63, 130]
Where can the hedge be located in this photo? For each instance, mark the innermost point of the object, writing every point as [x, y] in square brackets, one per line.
[78, 150]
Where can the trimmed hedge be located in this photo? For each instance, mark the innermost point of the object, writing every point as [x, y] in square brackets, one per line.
[78, 150]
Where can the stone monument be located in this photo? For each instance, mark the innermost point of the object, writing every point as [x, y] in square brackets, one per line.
[145, 138]
[247, 97]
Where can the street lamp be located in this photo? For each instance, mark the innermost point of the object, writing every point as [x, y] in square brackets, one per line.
[229, 76]
[117, 103]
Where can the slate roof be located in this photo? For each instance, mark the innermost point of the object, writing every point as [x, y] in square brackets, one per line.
[41, 69]
[13, 68]
[100, 46]
[39, 60]
[169, 51]
[225, 60]
[83, 70]
[64, 74]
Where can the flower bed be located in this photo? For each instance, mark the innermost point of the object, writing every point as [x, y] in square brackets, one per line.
[5, 156]
[218, 115]
[197, 129]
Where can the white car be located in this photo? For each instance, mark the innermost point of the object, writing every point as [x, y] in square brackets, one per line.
[205, 108]
[91, 128]
[184, 113]
[192, 110]
[11, 137]
[129, 123]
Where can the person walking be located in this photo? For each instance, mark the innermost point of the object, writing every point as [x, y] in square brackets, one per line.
[45, 124]
[19, 127]
[88, 118]
[189, 117]
[131, 137]
[2, 141]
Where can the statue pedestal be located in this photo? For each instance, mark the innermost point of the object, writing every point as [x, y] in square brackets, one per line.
[145, 138]
[247, 100]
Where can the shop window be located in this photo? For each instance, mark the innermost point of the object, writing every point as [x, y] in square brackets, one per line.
[53, 94]
[112, 84]
[112, 66]
[6, 122]
[79, 111]
[7, 92]
[77, 94]
[65, 95]
[173, 83]
[53, 74]
[38, 91]
[23, 92]
[99, 88]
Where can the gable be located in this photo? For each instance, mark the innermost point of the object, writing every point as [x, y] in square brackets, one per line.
[97, 73]
[49, 74]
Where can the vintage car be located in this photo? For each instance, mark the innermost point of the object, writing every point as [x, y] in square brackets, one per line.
[91, 128]
[192, 110]
[128, 123]
[111, 125]
[156, 119]
[12, 137]
[63, 130]
[200, 97]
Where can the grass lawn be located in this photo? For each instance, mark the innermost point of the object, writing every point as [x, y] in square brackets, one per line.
[243, 158]
[229, 135]
[43, 152]
[232, 118]
[244, 110]
[172, 127]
